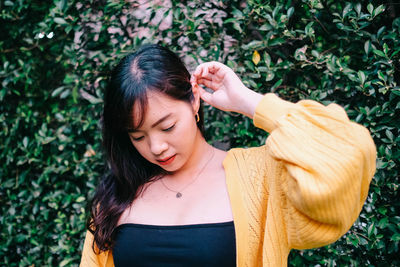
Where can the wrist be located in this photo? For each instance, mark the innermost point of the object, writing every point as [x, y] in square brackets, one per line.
[248, 102]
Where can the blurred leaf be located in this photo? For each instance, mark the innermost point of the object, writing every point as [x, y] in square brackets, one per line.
[290, 12]
[60, 21]
[370, 8]
[379, 53]
[256, 57]
[361, 76]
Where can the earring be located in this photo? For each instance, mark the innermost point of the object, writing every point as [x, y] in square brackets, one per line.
[197, 117]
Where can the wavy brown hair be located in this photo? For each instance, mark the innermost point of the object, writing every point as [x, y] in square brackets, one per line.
[152, 67]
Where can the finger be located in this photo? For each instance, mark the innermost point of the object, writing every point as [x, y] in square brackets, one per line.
[216, 78]
[211, 70]
[203, 69]
[214, 69]
[206, 96]
[212, 77]
[210, 84]
[218, 71]
[216, 66]
[198, 73]
[199, 69]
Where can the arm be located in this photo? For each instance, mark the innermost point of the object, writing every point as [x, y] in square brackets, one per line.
[325, 161]
[328, 163]
[91, 259]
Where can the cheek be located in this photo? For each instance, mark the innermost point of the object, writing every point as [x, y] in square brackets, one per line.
[141, 148]
[186, 135]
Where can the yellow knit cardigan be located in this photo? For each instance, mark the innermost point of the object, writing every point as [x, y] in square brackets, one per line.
[303, 189]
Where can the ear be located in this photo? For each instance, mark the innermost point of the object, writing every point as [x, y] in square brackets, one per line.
[196, 97]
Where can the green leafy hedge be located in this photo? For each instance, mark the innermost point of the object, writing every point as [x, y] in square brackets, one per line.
[55, 57]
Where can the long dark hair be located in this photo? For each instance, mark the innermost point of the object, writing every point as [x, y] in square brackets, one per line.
[152, 67]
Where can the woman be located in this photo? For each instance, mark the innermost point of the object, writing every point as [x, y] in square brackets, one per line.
[171, 199]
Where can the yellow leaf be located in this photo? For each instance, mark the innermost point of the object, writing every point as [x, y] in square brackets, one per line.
[256, 57]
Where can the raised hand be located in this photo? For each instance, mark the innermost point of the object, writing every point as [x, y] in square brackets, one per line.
[229, 93]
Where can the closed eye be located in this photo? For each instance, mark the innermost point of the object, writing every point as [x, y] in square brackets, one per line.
[137, 138]
[169, 129]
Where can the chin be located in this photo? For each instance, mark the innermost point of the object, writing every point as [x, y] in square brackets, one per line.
[174, 166]
[169, 169]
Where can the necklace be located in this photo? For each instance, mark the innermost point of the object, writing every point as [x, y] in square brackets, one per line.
[179, 193]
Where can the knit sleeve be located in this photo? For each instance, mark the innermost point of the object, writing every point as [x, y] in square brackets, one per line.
[91, 259]
[325, 162]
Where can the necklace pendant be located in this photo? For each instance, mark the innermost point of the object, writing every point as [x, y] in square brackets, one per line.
[178, 195]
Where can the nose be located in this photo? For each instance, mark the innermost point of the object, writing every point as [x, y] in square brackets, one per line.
[158, 145]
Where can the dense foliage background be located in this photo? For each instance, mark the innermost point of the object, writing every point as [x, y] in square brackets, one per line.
[55, 57]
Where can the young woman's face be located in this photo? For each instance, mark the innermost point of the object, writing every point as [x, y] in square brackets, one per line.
[168, 134]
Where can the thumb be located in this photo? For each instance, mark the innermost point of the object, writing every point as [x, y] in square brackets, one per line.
[206, 96]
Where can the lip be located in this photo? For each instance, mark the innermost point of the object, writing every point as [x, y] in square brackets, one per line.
[166, 161]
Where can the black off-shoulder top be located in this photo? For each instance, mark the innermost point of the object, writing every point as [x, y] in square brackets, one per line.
[211, 244]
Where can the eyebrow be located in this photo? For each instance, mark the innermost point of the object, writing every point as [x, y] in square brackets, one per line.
[154, 124]
[161, 120]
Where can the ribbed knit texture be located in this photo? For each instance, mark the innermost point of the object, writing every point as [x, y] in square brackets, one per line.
[303, 189]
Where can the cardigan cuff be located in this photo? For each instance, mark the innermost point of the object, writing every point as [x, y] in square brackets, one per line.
[269, 110]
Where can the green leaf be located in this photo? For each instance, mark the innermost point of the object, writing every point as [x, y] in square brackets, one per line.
[379, 10]
[238, 14]
[270, 76]
[57, 91]
[8, 184]
[25, 142]
[395, 237]
[370, 8]
[361, 76]
[371, 229]
[267, 59]
[389, 135]
[278, 83]
[264, 27]
[381, 76]
[367, 47]
[352, 240]
[290, 11]
[385, 49]
[346, 10]
[300, 53]
[262, 69]
[380, 31]
[276, 41]
[357, 8]
[65, 262]
[309, 30]
[382, 210]
[237, 27]
[396, 92]
[253, 45]
[379, 53]
[80, 199]
[383, 223]
[177, 13]
[60, 21]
